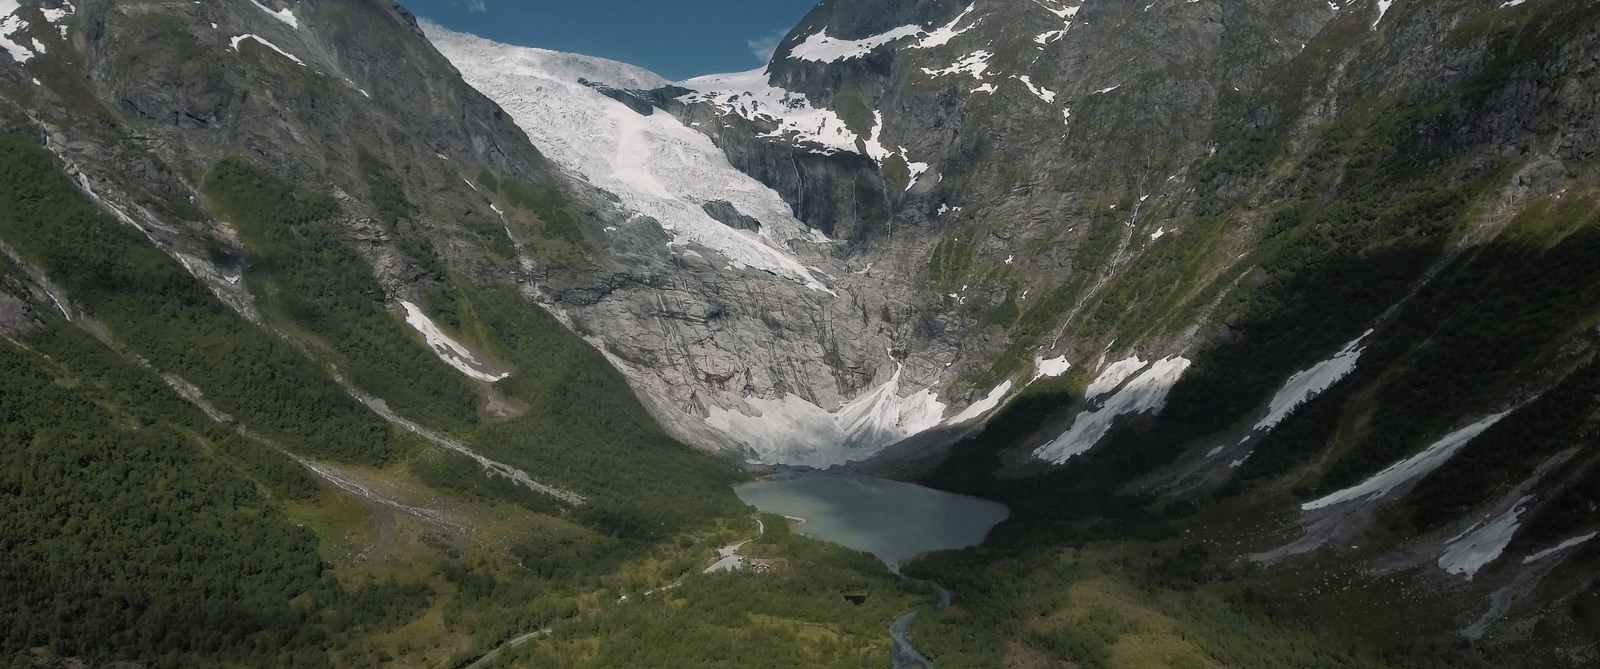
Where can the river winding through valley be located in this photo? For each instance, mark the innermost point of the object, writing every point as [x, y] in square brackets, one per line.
[892, 520]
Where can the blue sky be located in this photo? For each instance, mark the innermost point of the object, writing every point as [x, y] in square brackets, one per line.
[677, 39]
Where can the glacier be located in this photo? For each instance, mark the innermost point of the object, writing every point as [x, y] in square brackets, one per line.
[654, 164]
[792, 431]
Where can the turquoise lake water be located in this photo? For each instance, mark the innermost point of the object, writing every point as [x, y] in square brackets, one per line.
[892, 520]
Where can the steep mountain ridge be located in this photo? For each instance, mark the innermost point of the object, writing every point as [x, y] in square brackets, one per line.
[1291, 305]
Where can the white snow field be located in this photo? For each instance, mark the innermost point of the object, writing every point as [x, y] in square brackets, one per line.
[1146, 393]
[1113, 376]
[654, 164]
[1049, 369]
[1574, 542]
[1307, 385]
[283, 15]
[792, 431]
[263, 42]
[1407, 470]
[983, 406]
[449, 350]
[1469, 553]
[821, 48]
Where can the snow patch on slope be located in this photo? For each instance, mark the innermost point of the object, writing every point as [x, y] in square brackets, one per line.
[263, 42]
[1307, 385]
[449, 350]
[983, 406]
[1574, 542]
[654, 164]
[821, 48]
[792, 431]
[751, 96]
[1039, 91]
[283, 15]
[944, 34]
[1407, 470]
[1145, 394]
[1113, 376]
[974, 63]
[1051, 368]
[1468, 554]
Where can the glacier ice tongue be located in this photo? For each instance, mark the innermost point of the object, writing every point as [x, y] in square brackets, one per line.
[654, 164]
[792, 431]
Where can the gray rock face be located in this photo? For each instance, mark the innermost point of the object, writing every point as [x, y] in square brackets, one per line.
[725, 213]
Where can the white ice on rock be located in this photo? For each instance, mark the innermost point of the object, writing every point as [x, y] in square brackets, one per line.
[821, 48]
[1144, 394]
[1306, 385]
[944, 34]
[1565, 545]
[1113, 376]
[792, 431]
[1063, 12]
[1468, 554]
[654, 164]
[1050, 368]
[1383, 8]
[983, 406]
[1407, 470]
[449, 350]
[751, 96]
[1039, 91]
[283, 15]
[10, 23]
[262, 41]
[974, 63]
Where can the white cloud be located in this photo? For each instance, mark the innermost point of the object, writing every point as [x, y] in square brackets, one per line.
[763, 47]
[475, 5]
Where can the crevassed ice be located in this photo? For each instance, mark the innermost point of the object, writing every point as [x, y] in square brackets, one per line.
[449, 350]
[792, 431]
[1113, 376]
[655, 165]
[1478, 548]
[1146, 393]
[1412, 468]
[983, 406]
[1308, 384]
[821, 48]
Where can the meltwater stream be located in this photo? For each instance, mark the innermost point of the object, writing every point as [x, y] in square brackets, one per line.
[894, 521]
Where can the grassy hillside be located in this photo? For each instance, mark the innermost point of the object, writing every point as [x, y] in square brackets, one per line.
[303, 530]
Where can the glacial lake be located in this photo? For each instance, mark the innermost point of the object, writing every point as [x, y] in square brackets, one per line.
[892, 520]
